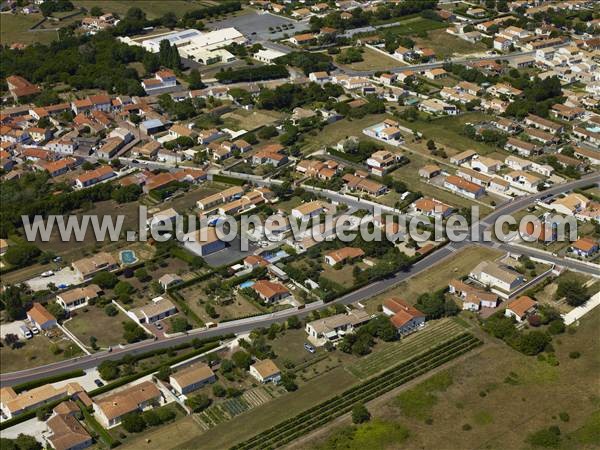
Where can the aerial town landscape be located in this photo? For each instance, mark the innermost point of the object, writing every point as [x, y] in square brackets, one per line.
[176, 181]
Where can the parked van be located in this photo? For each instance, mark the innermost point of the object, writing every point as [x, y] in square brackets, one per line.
[25, 332]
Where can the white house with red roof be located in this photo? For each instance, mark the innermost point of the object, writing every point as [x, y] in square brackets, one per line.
[406, 318]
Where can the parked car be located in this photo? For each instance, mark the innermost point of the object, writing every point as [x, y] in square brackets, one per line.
[47, 273]
[25, 332]
[35, 330]
[309, 348]
[98, 382]
[159, 325]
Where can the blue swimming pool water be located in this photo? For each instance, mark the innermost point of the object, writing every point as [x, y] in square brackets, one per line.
[128, 257]
[594, 129]
[246, 284]
[277, 256]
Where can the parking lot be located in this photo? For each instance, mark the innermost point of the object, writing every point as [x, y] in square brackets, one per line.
[62, 279]
[255, 26]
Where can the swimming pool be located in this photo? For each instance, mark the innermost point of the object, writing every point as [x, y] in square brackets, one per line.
[246, 284]
[277, 256]
[128, 257]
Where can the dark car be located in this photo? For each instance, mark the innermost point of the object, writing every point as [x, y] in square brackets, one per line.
[98, 382]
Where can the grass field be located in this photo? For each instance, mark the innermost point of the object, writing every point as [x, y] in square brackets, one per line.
[36, 352]
[438, 277]
[497, 398]
[373, 60]
[341, 129]
[390, 353]
[94, 322]
[14, 28]
[152, 8]
[444, 44]
[448, 132]
[415, 25]
[250, 120]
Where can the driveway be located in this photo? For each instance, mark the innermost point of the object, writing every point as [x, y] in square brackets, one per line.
[65, 276]
[31, 427]
[12, 328]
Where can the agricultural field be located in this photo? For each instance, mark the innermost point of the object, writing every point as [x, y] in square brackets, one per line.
[373, 60]
[499, 398]
[289, 430]
[387, 354]
[228, 409]
[38, 351]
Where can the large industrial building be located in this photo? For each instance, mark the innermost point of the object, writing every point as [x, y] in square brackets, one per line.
[204, 47]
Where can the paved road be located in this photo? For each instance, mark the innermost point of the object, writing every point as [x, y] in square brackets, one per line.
[438, 64]
[245, 325]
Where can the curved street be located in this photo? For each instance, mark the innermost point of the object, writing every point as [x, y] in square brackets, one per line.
[373, 289]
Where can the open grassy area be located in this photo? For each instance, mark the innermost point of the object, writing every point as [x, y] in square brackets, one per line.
[373, 60]
[341, 129]
[152, 8]
[415, 25]
[93, 321]
[437, 277]
[37, 352]
[448, 131]
[444, 44]
[498, 397]
[14, 28]
[250, 120]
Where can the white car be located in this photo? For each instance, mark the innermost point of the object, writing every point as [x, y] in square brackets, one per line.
[47, 274]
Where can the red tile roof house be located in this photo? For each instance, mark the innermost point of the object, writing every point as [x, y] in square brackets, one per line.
[269, 291]
[520, 308]
[585, 247]
[406, 318]
[41, 317]
[342, 255]
[92, 177]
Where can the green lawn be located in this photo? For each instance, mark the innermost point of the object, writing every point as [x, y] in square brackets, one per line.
[14, 28]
